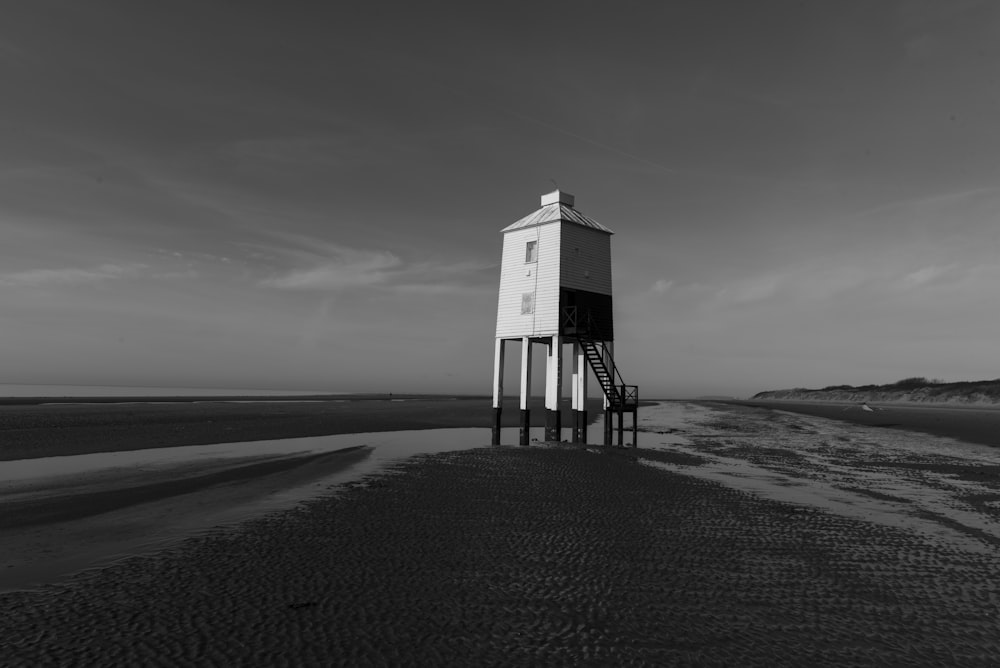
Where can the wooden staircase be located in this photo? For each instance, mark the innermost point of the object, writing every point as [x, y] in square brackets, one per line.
[622, 398]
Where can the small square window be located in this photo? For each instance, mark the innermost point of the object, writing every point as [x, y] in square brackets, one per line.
[527, 303]
[531, 252]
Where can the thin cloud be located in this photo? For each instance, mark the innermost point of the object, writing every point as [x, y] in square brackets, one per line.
[814, 288]
[70, 275]
[824, 284]
[322, 265]
[434, 289]
[921, 202]
[183, 274]
[954, 283]
[750, 290]
[924, 276]
[350, 270]
[662, 285]
[800, 286]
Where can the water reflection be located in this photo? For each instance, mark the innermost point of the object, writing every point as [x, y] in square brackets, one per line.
[251, 479]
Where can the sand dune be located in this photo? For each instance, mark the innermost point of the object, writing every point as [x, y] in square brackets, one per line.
[974, 424]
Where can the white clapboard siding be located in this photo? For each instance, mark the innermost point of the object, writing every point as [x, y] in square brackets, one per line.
[585, 259]
[541, 278]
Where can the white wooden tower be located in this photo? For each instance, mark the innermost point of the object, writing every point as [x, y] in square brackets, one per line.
[555, 290]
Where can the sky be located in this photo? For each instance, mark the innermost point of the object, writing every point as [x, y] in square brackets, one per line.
[309, 195]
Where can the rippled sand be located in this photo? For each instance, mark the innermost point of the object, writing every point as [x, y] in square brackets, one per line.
[945, 489]
[558, 555]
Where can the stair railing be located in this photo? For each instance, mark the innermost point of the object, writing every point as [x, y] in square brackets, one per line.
[630, 395]
[620, 393]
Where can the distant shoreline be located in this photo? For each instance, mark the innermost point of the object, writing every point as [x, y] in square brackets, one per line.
[195, 398]
[33, 427]
[969, 423]
[849, 403]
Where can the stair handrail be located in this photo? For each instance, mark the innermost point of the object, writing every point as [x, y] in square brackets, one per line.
[592, 328]
[623, 393]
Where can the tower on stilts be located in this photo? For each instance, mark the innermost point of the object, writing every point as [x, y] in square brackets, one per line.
[555, 291]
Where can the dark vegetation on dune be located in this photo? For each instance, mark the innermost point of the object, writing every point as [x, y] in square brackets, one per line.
[915, 389]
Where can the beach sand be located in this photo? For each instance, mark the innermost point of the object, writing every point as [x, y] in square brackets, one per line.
[538, 555]
[106, 480]
[974, 424]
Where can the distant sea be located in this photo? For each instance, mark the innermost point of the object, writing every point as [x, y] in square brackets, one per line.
[129, 391]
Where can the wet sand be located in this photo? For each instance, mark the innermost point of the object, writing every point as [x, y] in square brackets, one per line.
[65, 501]
[46, 430]
[563, 556]
[973, 424]
[526, 556]
[83, 485]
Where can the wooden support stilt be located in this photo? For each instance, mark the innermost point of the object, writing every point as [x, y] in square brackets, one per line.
[553, 389]
[525, 390]
[580, 393]
[609, 426]
[575, 391]
[498, 359]
[553, 425]
[497, 421]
